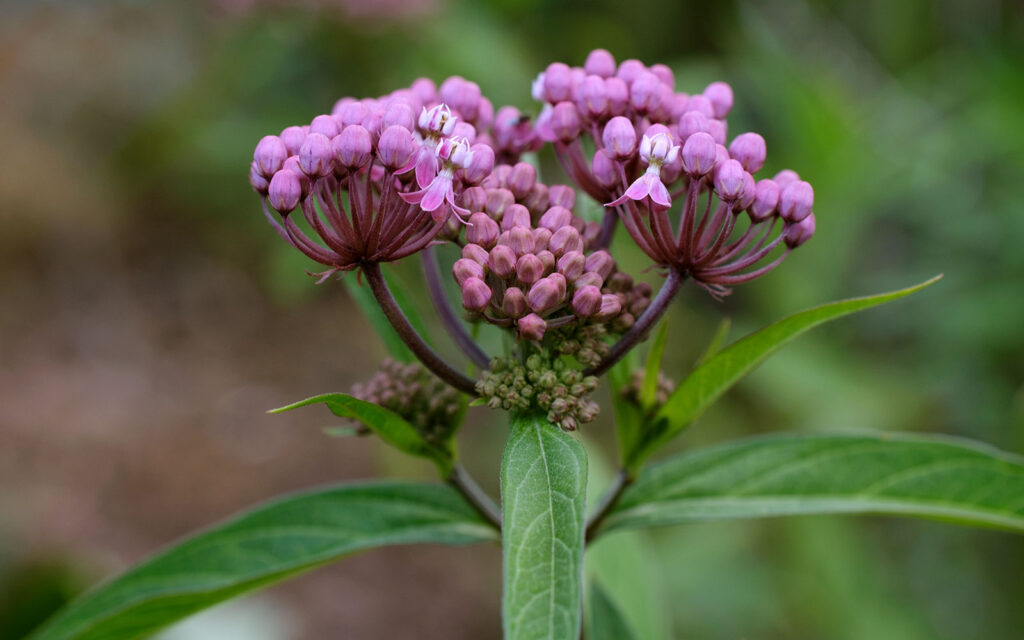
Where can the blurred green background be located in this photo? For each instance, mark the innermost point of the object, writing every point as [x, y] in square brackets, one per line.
[149, 317]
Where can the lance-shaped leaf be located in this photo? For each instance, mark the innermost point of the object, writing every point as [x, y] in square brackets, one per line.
[391, 427]
[543, 496]
[604, 618]
[721, 371]
[268, 544]
[909, 475]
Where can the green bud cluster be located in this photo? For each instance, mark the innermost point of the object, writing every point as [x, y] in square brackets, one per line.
[541, 383]
[586, 343]
[412, 392]
[631, 392]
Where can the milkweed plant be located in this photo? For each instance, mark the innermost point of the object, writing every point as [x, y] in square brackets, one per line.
[378, 180]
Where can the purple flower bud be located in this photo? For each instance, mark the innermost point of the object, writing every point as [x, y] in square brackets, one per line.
[619, 138]
[521, 179]
[555, 218]
[797, 233]
[353, 113]
[718, 130]
[561, 195]
[498, 199]
[677, 105]
[543, 295]
[502, 261]
[326, 125]
[592, 98]
[462, 95]
[645, 92]
[292, 137]
[560, 283]
[531, 327]
[750, 150]
[589, 279]
[270, 154]
[557, 85]
[520, 239]
[352, 146]
[565, 239]
[729, 180]
[395, 147]
[720, 96]
[702, 104]
[463, 129]
[600, 63]
[601, 262]
[699, 154]
[785, 176]
[514, 302]
[546, 257]
[565, 121]
[796, 200]
[256, 179]
[474, 198]
[516, 215]
[610, 306]
[766, 198]
[605, 170]
[692, 122]
[665, 75]
[618, 96]
[476, 253]
[480, 166]
[399, 113]
[529, 268]
[464, 268]
[284, 191]
[586, 301]
[482, 230]
[630, 70]
[425, 90]
[537, 199]
[747, 194]
[571, 265]
[316, 156]
[476, 295]
[721, 156]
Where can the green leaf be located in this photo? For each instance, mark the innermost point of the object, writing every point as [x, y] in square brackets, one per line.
[267, 544]
[649, 387]
[371, 310]
[604, 619]
[390, 426]
[543, 496]
[629, 419]
[909, 475]
[341, 432]
[715, 376]
[715, 345]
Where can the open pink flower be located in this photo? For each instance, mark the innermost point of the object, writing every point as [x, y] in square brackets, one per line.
[452, 154]
[656, 150]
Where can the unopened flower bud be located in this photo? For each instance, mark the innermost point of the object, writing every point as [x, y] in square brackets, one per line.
[284, 191]
[630, 70]
[692, 122]
[750, 150]
[623, 322]
[399, 113]
[529, 268]
[352, 113]
[560, 283]
[546, 258]
[619, 138]
[543, 295]
[476, 253]
[270, 154]
[795, 234]
[565, 121]
[796, 200]
[555, 218]
[600, 63]
[620, 282]
[618, 96]
[462, 95]
[514, 303]
[747, 194]
[571, 265]
[476, 295]
[541, 238]
[521, 179]
[256, 179]
[482, 230]
[293, 137]
[665, 75]
[516, 215]
[474, 198]
[502, 261]
[325, 125]
[720, 96]
[605, 170]
[591, 97]
[480, 166]
[520, 239]
[586, 301]
[531, 326]
[560, 195]
[766, 198]
[498, 200]
[565, 239]
[718, 130]
[557, 83]
[465, 268]
[729, 180]
[702, 104]
[610, 306]
[465, 130]
[601, 262]
[537, 199]
[352, 146]
[645, 92]
[699, 154]
[316, 156]
[589, 278]
[395, 147]
[785, 176]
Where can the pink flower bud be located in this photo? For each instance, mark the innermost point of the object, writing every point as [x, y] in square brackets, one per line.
[565, 121]
[586, 301]
[729, 180]
[592, 98]
[796, 200]
[665, 75]
[395, 147]
[464, 268]
[502, 261]
[750, 150]
[546, 258]
[619, 138]
[560, 283]
[462, 95]
[531, 327]
[699, 154]
[482, 230]
[256, 179]
[400, 114]
[718, 130]
[521, 179]
[589, 279]
[481, 164]
[352, 113]
[543, 295]
[571, 265]
[284, 191]
[516, 215]
[476, 295]
[766, 198]
[677, 105]
[541, 237]
[555, 218]
[529, 268]
[600, 63]
[557, 84]
[796, 234]
[325, 125]
[565, 239]
[537, 199]
[474, 198]
[702, 104]
[785, 176]
[605, 170]
[610, 306]
[352, 146]
[560, 195]
[601, 262]
[520, 239]
[692, 122]
[316, 156]
[498, 200]
[476, 253]
[270, 154]
[747, 194]
[645, 92]
[463, 129]
[720, 96]
[425, 90]
[630, 70]
[292, 137]
[618, 96]
[514, 302]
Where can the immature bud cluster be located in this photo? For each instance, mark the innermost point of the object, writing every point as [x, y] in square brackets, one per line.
[540, 383]
[413, 393]
[631, 392]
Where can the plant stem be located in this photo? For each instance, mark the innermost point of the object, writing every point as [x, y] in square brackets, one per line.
[608, 502]
[643, 324]
[454, 326]
[437, 365]
[474, 495]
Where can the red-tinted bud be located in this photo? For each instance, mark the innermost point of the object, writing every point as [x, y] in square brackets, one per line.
[543, 295]
[560, 283]
[325, 125]
[692, 122]
[565, 121]
[618, 96]
[256, 179]
[605, 170]
[571, 265]
[395, 147]
[352, 146]
[630, 70]
[292, 137]
[796, 234]
[474, 198]
[748, 193]
[750, 150]
[699, 154]
[284, 191]
[589, 278]
[502, 261]
[482, 230]
[557, 84]
[399, 113]
[316, 156]
[600, 63]
[601, 262]
[465, 268]
[610, 306]
[796, 201]
[555, 218]
[480, 166]
[529, 269]
[565, 239]
[785, 176]
[619, 138]
[729, 180]
[514, 302]
[476, 295]
[537, 199]
[645, 92]
[520, 239]
[718, 130]
[766, 199]
[498, 200]
[665, 75]
[592, 98]
[521, 179]
[516, 215]
[719, 94]
[270, 155]
[702, 104]
[476, 253]
[547, 259]
[541, 238]
[586, 301]
[531, 327]
[561, 195]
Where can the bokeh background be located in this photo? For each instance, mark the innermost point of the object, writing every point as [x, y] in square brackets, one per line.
[148, 317]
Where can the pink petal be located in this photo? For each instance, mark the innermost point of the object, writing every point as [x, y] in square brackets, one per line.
[659, 194]
[460, 212]
[639, 190]
[543, 125]
[436, 193]
[426, 167]
[413, 197]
